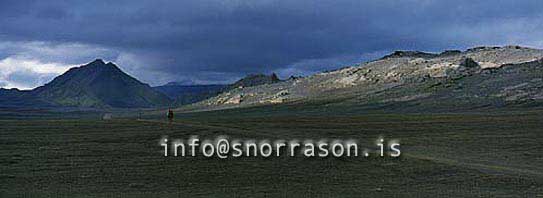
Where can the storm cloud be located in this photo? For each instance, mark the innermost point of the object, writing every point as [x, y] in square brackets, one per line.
[219, 41]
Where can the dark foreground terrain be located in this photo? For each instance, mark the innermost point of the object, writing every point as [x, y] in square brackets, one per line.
[493, 154]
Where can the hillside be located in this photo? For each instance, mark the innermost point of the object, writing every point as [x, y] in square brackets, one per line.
[255, 80]
[187, 94]
[482, 77]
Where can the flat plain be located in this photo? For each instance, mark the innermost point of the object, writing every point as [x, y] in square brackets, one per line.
[489, 154]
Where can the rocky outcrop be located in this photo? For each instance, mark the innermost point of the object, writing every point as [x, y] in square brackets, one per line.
[409, 54]
[255, 80]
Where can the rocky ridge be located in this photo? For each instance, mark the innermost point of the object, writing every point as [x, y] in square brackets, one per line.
[400, 69]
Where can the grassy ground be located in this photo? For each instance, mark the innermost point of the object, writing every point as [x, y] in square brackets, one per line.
[456, 155]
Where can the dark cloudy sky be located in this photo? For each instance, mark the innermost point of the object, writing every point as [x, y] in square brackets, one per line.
[219, 41]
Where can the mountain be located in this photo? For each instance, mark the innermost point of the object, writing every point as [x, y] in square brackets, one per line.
[481, 77]
[104, 85]
[187, 94]
[99, 85]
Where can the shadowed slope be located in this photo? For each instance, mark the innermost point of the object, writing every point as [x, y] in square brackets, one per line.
[98, 84]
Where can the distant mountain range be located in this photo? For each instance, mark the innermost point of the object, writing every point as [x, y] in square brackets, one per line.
[186, 94]
[478, 78]
[14, 98]
[101, 85]
[482, 77]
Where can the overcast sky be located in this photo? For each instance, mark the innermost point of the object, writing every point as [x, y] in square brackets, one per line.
[220, 41]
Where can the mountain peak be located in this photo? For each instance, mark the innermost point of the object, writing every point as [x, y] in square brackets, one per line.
[98, 61]
[98, 66]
